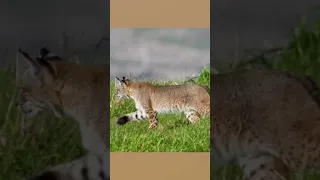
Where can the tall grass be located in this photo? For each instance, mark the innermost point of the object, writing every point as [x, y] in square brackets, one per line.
[31, 145]
[300, 55]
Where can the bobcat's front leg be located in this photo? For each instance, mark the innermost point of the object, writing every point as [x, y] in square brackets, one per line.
[153, 118]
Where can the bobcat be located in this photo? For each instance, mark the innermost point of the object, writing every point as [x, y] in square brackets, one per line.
[69, 89]
[190, 98]
[266, 121]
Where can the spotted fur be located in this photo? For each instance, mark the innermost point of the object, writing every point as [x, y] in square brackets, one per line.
[266, 121]
[190, 98]
[69, 89]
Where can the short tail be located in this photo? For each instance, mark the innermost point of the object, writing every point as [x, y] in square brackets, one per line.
[206, 88]
[135, 116]
[202, 85]
[309, 85]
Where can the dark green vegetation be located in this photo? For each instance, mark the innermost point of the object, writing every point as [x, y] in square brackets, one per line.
[173, 134]
[31, 145]
[300, 55]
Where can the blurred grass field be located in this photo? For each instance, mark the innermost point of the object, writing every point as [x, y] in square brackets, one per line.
[173, 134]
[28, 146]
[31, 145]
[302, 56]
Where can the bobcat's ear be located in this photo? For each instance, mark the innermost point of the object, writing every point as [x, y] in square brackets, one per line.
[44, 52]
[117, 82]
[40, 69]
[47, 55]
[35, 69]
[120, 83]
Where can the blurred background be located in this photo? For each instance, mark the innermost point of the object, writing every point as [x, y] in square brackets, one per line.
[65, 27]
[280, 34]
[239, 27]
[159, 53]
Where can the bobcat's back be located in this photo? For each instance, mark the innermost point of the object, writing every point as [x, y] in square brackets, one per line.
[174, 98]
[266, 114]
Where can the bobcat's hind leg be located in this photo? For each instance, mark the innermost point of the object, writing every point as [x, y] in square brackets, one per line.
[264, 167]
[193, 116]
[153, 118]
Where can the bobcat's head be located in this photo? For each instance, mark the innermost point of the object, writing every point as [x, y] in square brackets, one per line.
[122, 89]
[38, 86]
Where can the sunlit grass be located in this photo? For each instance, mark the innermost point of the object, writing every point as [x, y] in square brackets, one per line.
[173, 134]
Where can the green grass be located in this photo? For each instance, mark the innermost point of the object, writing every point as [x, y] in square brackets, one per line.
[173, 134]
[302, 56]
[28, 146]
[31, 145]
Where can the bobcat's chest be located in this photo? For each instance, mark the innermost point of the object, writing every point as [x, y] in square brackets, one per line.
[139, 106]
[226, 150]
[91, 141]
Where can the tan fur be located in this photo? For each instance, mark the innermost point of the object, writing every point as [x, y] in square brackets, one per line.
[266, 121]
[69, 89]
[78, 91]
[190, 98]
